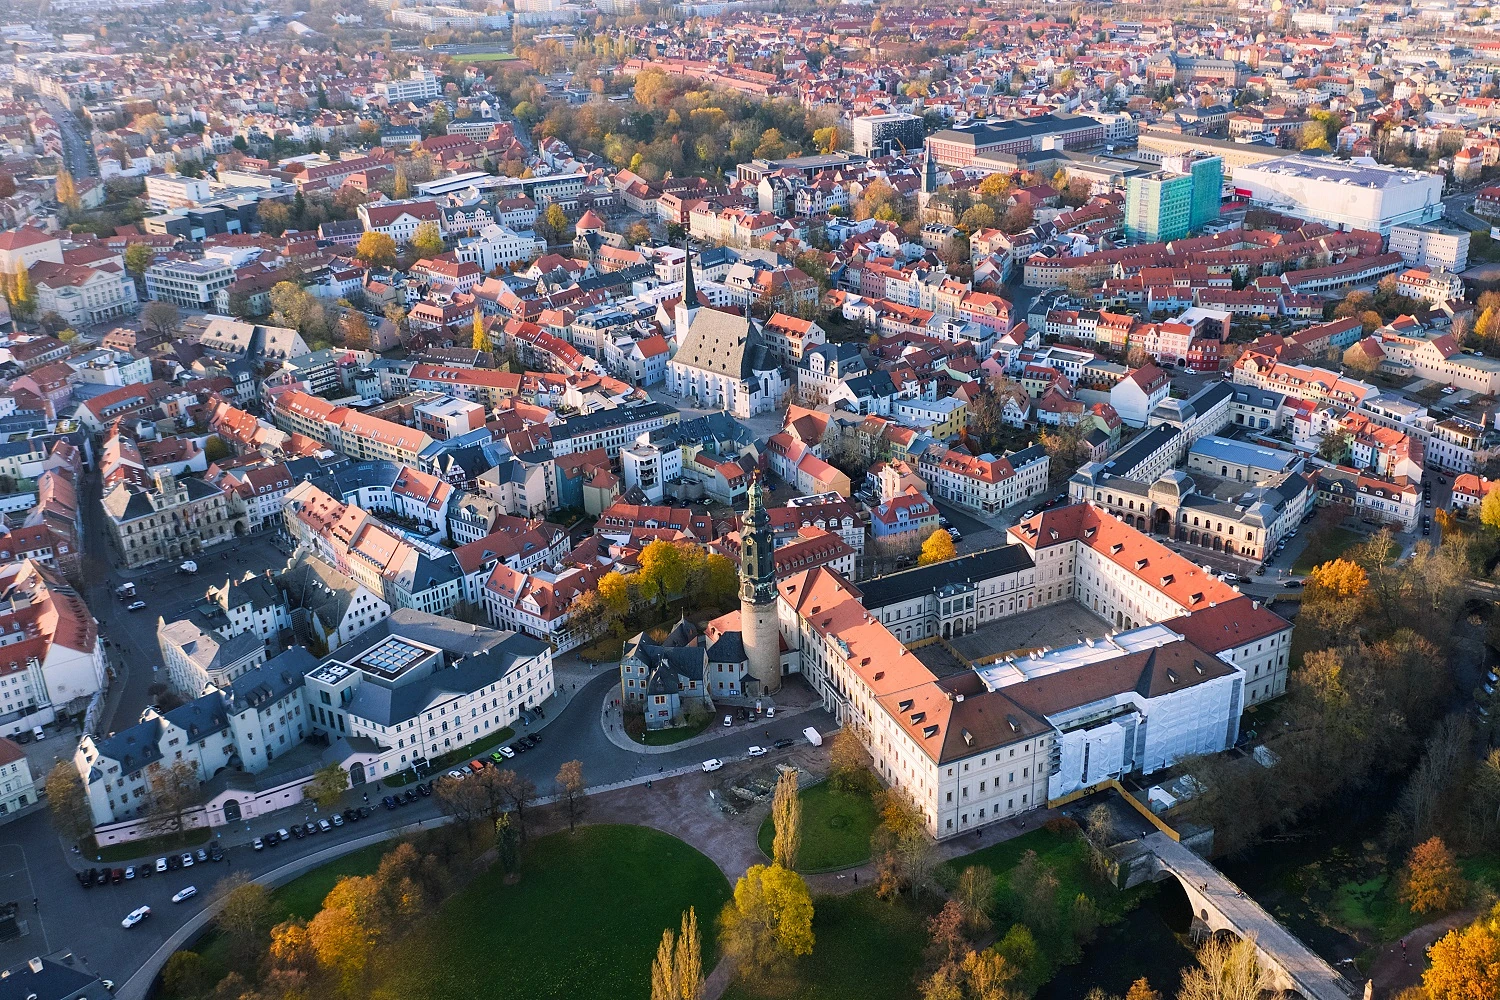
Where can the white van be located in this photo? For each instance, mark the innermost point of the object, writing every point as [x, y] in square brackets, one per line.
[37, 734]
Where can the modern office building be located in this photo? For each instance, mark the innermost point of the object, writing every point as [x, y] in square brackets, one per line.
[877, 135]
[1178, 199]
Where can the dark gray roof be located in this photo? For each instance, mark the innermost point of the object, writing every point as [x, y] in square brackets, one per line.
[587, 423]
[1125, 461]
[49, 980]
[724, 343]
[270, 681]
[387, 706]
[907, 584]
[363, 475]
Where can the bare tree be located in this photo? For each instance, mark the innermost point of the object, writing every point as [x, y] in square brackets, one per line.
[519, 793]
[1227, 970]
[173, 792]
[571, 787]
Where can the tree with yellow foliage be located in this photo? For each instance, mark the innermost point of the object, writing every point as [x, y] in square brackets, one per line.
[376, 249]
[616, 593]
[1489, 510]
[481, 335]
[1465, 963]
[768, 922]
[1340, 578]
[937, 548]
[994, 186]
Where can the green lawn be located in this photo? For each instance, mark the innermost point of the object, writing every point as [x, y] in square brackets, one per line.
[667, 737]
[151, 847]
[836, 829]
[864, 950]
[1373, 907]
[584, 920]
[1330, 545]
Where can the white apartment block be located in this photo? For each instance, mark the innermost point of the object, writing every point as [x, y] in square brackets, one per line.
[168, 191]
[1432, 246]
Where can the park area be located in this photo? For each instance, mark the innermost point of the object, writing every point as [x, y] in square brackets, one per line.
[874, 949]
[836, 828]
[583, 918]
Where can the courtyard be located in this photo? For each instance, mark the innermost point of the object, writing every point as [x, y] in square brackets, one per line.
[1061, 624]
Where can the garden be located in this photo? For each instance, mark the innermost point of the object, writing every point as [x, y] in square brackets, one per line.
[836, 828]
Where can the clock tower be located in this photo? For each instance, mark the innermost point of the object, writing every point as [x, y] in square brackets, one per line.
[760, 628]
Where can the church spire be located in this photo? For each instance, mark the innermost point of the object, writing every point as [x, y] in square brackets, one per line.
[689, 293]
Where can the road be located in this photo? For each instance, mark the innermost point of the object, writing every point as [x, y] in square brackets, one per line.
[34, 864]
[130, 636]
[75, 147]
[1456, 210]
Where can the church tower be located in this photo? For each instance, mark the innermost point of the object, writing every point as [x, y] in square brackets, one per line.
[760, 630]
[689, 305]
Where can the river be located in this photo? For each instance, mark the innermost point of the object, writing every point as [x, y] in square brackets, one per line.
[1143, 944]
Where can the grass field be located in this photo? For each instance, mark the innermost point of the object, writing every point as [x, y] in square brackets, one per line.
[1330, 545]
[864, 949]
[584, 920]
[665, 737]
[836, 829]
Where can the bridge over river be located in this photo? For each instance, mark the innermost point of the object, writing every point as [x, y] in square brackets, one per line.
[1219, 905]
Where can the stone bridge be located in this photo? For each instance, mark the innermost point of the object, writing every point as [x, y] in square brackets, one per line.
[1219, 905]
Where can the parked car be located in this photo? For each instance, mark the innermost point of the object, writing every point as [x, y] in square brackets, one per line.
[728, 721]
[117, 876]
[185, 894]
[424, 790]
[388, 802]
[476, 766]
[1292, 584]
[135, 605]
[350, 816]
[756, 751]
[309, 829]
[324, 826]
[203, 852]
[135, 916]
[130, 871]
[712, 764]
[216, 853]
[298, 833]
[782, 744]
[409, 797]
[85, 878]
[174, 862]
[364, 812]
[144, 871]
[338, 820]
[187, 859]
